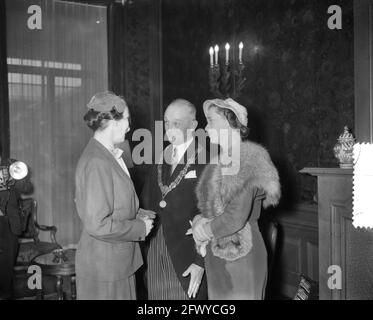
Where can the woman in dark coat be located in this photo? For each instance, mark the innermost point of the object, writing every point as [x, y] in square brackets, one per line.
[230, 198]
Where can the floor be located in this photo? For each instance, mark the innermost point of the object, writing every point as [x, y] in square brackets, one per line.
[22, 292]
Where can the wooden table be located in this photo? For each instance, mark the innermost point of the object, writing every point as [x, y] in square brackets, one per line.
[59, 270]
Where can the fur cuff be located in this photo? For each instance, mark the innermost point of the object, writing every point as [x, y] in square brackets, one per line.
[235, 246]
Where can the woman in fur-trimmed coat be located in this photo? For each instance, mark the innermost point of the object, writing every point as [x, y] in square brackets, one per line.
[230, 203]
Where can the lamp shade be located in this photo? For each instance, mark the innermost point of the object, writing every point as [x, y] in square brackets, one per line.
[18, 170]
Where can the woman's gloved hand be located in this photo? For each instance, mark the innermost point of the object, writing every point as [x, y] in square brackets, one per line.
[201, 236]
[201, 229]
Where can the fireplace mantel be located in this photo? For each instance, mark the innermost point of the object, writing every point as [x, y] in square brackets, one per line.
[327, 171]
[340, 244]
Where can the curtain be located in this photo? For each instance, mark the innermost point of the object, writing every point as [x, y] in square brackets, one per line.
[4, 103]
[52, 73]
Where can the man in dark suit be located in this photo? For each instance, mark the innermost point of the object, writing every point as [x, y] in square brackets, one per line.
[11, 225]
[175, 270]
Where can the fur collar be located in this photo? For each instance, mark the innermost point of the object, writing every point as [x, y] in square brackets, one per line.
[214, 191]
[256, 170]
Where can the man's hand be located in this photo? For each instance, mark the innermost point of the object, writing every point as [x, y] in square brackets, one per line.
[196, 274]
[148, 225]
[147, 216]
[144, 214]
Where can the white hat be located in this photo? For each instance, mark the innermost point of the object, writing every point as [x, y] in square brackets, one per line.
[239, 110]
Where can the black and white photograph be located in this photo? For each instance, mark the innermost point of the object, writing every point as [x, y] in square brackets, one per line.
[186, 150]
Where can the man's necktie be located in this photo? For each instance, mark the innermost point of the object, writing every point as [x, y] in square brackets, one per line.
[174, 159]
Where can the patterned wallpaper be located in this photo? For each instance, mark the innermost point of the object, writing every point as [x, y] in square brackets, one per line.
[137, 61]
[300, 87]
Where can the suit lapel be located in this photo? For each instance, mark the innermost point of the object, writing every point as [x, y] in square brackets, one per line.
[166, 167]
[110, 158]
[166, 173]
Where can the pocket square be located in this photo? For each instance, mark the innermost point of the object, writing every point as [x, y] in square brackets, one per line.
[191, 174]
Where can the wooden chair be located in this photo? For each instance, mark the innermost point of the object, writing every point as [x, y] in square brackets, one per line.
[30, 246]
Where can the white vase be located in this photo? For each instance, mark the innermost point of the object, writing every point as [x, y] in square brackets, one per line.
[343, 150]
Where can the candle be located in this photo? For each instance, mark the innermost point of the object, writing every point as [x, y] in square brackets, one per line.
[240, 46]
[216, 49]
[227, 46]
[211, 51]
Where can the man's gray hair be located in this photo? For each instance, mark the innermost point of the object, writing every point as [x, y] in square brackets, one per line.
[185, 103]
